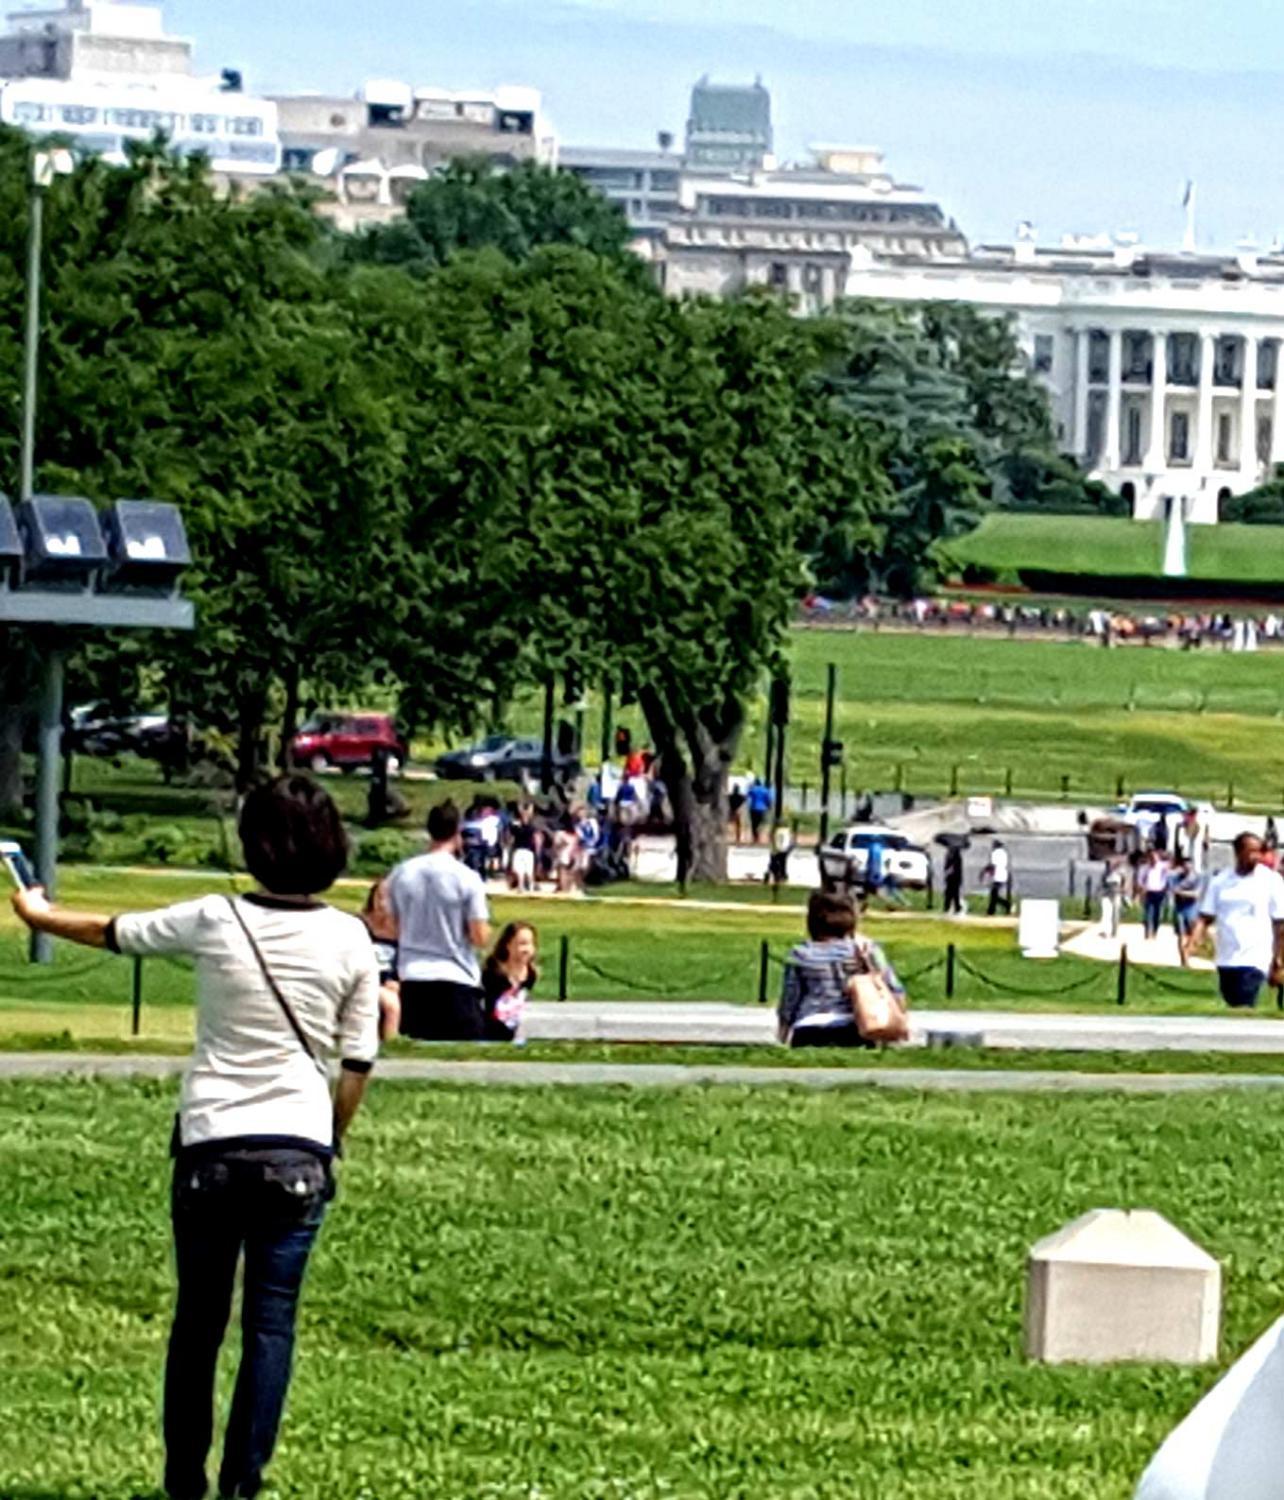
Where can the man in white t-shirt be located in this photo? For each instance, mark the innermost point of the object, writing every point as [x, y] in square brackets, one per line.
[1245, 908]
[999, 871]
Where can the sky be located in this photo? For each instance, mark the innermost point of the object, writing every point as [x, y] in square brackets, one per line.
[1080, 116]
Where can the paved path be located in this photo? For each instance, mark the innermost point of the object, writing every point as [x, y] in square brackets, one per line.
[1160, 951]
[698, 1023]
[518, 1074]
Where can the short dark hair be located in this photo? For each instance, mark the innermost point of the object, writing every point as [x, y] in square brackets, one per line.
[292, 835]
[1242, 838]
[443, 822]
[830, 915]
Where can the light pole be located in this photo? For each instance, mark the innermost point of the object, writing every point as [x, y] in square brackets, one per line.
[45, 166]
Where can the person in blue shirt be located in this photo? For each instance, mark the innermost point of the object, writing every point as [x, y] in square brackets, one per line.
[760, 800]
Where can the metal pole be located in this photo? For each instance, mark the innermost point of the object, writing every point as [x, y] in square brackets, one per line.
[831, 689]
[564, 968]
[48, 777]
[949, 971]
[764, 959]
[137, 1022]
[1121, 994]
[769, 773]
[31, 345]
[778, 802]
[546, 755]
[607, 726]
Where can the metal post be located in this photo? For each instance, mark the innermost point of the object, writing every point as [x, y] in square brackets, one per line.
[137, 1022]
[1121, 994]
[1087, 898]
[607, 726]
[778, 802]
[949, 971]
[831, 689]
[48, 778]
[764, 959]
[771, 752]
[842, 790]
[31, 344]
[1071, 892]
[546, 754]
[1007, 782]
[564, 968]
[954, 781]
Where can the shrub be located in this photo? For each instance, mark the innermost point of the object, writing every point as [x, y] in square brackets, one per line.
[164, 844]
[377, 852]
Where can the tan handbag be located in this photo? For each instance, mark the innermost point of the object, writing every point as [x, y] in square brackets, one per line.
[880, 1016]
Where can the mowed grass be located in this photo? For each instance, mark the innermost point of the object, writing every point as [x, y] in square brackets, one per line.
[703, 1293]
[1119, 547]
[619, 950]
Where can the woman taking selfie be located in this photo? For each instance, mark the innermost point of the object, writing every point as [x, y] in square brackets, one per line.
[284, 984]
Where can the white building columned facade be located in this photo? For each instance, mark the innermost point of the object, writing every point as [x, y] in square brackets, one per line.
[1163, 370]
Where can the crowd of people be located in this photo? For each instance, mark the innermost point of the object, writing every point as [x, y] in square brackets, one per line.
[1188, 628]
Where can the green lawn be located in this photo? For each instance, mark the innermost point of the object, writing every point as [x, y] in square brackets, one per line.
[617, 951]
[702, 1294]
[1086, 545]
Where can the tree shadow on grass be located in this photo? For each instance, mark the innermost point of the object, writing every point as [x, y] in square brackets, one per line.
[78, 1492]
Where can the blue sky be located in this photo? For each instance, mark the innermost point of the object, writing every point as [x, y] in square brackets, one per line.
[1080, 115]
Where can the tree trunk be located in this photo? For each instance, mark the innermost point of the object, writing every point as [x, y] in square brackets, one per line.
[696, 752]
[12, 717]
[249, 741]
[290, 717]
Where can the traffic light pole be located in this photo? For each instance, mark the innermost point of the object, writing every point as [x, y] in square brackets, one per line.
[826, 749]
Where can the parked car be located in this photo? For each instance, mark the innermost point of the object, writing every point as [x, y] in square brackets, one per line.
[348, 741]
[99, 729]
[1147, 806]
[503, 757]
[843, 860]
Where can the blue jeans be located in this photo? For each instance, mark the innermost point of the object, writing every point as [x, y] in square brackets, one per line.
[268, 1204]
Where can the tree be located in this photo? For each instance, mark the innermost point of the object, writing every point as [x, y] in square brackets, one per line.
[475, 205]
[1261, 506]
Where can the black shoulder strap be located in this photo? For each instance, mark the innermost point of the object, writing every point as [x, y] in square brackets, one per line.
[275, 987]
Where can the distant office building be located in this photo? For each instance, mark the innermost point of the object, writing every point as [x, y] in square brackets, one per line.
[106, 73]
[373, 149]
[730, 127]
[644, 185]
[799, 229]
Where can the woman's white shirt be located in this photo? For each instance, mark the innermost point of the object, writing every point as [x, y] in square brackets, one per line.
[249, 1076]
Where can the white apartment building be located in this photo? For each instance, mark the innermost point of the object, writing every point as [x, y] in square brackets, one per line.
[105, 73]
[1163, 368]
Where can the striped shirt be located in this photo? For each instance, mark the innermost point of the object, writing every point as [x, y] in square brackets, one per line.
[816, 973]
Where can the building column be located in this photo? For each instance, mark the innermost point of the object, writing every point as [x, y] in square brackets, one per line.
[1248, 414]
[1277, 408]
[1157, 448]
[1080, 434]
[1204, 422]
[1114, 401]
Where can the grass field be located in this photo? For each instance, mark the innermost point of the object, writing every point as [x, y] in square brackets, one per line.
[711, 1294]
[1113, 546]
[618, 950]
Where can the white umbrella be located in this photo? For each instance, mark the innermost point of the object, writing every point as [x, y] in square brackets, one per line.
[1231, 1447]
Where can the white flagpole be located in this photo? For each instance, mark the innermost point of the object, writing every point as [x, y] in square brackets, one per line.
[1188, 203]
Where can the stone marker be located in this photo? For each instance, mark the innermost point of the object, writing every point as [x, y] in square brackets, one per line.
[1122, 1285]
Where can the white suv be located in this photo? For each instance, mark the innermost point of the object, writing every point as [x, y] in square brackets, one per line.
[844, 858]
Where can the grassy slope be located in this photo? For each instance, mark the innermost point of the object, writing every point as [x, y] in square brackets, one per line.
[715, 1293]
[1111, 545]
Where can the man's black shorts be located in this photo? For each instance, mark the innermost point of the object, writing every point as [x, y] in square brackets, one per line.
[435, 1010]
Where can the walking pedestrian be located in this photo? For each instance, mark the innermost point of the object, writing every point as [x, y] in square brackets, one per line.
[283, 984]
[1153, 880]
[999, 875]
[953, 881]
[442, 918]
[760, 799]
[1245, 908]
[1184, 887]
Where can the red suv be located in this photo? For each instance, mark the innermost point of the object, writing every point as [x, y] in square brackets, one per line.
[348, 741]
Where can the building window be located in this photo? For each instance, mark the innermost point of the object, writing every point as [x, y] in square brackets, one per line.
[1228, 361]
[1043, 346]
[1128, 494]
[1264, 434]
[1179, 438]
[79, 114]
[778, 275]
[1223, 437]
[204, 124]
[1098, 357]
[1136, 358]
[811, 278]
[1132, 435]
[247, 125]
[27, 113]
[1183, 359]
[1268, 359]
[1096, 427]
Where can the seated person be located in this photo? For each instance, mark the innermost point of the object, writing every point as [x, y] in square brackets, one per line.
[815, 1001]
[508, 977]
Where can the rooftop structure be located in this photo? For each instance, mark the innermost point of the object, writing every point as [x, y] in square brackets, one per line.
[729, 128]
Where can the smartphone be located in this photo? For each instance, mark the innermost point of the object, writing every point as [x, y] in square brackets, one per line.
[17, 864]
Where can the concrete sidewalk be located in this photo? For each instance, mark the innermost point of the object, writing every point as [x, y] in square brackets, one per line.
[517, 1074]
[698, 1023]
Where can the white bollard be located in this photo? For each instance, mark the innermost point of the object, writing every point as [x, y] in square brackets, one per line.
[1122, 1285]
[1231, 1447]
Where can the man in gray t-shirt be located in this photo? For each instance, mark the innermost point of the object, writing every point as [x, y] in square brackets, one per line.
[442, 920]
